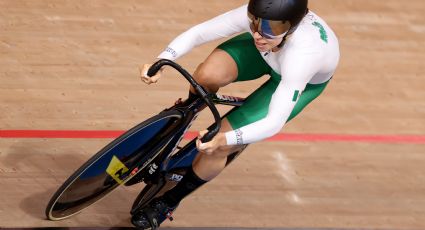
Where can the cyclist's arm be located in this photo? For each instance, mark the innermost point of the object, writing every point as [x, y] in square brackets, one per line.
[296, 71]
[224, 25]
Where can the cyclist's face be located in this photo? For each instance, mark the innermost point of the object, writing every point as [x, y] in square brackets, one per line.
[264, 44]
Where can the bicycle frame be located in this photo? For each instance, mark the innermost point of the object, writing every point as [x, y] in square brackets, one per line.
[168, 169]
[168, 161]
[189, 113]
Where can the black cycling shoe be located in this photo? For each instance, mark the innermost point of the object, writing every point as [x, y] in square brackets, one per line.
[153, 214]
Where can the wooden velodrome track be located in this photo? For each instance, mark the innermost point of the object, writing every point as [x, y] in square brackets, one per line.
[72, 65]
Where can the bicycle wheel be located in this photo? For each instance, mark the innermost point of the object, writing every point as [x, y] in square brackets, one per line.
[115, 164]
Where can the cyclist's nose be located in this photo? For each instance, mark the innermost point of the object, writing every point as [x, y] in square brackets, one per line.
[257, 36]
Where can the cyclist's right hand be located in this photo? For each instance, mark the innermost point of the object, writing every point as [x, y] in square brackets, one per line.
[144, 74]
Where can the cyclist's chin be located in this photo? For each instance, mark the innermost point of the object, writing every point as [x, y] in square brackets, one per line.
[263, 48]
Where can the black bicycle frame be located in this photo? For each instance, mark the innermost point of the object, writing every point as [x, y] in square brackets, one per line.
[199, 89]
[184, 157]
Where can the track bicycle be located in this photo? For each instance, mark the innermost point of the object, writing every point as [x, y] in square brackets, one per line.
[147, 153]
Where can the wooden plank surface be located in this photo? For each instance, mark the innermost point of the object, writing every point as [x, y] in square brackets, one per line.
[72, 65]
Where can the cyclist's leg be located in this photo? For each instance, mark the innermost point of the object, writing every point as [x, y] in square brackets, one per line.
[234, 60]
[218, 70]
[250, 65]
[209, 166]
[254, 108]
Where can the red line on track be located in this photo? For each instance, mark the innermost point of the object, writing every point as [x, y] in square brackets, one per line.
[413, 139]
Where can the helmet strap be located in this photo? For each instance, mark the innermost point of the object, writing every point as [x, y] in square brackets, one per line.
[282, 42]
[290, 31]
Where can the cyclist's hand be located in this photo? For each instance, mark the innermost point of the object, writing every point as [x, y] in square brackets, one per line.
[217, 143]
[144, 74]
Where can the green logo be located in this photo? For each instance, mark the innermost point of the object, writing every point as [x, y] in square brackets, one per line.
[296, 94]
[323, 34]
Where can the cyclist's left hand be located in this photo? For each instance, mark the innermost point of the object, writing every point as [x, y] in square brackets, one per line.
[144, 74]
[218, 142]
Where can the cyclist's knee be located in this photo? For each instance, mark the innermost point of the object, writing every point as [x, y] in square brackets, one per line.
[208, 78]
[218, 70]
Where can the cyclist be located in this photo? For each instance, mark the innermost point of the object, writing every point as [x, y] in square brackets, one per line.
[279, 38]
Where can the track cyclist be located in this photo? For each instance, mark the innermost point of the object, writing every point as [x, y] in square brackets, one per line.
[279, 38]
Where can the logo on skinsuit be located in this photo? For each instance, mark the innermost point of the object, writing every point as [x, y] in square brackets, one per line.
[296, 95]
[116, 169]
[322, 31]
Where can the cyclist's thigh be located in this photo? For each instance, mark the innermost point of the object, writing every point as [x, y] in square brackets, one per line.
[250, 64]
[256, 105]
[218, 70]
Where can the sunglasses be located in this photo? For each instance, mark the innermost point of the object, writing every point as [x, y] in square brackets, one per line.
[268, 29]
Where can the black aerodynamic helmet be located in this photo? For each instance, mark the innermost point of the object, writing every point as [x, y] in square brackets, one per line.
[276, 16]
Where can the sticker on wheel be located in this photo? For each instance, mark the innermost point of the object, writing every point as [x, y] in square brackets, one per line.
[116, 169]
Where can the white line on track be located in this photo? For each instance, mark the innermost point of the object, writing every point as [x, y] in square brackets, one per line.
[286, 171]
[80, 19]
